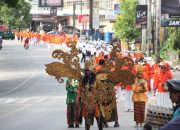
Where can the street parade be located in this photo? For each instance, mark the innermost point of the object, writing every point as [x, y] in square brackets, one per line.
[114, 68]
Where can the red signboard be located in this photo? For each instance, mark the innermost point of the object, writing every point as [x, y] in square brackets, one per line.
[3, 28]
[83, 18]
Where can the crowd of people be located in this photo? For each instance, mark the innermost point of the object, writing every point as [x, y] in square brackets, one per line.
[150, 79]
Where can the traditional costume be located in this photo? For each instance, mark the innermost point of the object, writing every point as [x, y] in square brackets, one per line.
[162, 92]
[139, 98]
[73, 110]
[90, 103]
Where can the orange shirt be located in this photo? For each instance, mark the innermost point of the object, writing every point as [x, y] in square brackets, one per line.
[161, 79]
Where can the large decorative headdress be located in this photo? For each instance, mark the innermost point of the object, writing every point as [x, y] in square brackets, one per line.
[139, 69]
[69, 66]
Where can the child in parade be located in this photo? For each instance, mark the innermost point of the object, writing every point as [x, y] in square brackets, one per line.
[73, 111]
[139, 98]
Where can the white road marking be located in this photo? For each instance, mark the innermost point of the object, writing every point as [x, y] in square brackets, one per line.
[20, 85]
[17, 110]
[36, 99]
[24, 100]
[10, 100]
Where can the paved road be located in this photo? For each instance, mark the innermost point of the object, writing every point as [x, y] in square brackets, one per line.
[32, 100]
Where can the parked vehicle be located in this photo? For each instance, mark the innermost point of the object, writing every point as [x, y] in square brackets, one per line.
[7, 35]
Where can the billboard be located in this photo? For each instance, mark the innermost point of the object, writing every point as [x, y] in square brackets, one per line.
[170, 22]
[49, 3]
[171, 7]
[53, 11]
[141, 16]
[109, 15]
[83, 18]
[117, 7]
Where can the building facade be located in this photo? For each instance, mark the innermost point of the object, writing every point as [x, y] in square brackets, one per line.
[103, 15]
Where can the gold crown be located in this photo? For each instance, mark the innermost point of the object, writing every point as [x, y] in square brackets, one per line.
[139, 69]
[91, 64]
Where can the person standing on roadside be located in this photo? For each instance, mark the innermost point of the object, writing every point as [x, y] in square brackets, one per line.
[1, 41]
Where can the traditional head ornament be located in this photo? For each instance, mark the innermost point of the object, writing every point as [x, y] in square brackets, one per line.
[90, 64]
[139, 69]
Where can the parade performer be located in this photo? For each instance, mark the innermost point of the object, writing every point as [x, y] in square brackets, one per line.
[111, 95]
[128, 65]
[26, 43]
[139, 97]
[91, 106]
[94, 87]
[154, 71]
[162, 93]
[73, 110]
[147, 73]
[174, 89]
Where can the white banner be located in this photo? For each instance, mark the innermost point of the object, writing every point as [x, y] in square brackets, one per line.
[110, 15]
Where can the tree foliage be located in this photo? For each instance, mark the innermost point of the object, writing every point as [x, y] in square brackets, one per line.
[125, 27]
[18, 16]
[9, 3]
[173, 40]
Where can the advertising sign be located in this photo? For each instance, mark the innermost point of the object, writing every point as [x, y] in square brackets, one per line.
[96, 21]
[49, 3]
[171, 7]
[53, 11]
[170, 22]
[110, 15]
[117, 8]
[141, 16]
[83, 18]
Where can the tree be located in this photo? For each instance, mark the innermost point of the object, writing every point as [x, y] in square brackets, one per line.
[125, 28]
[172, 42]
[9, 3]
[18, 16]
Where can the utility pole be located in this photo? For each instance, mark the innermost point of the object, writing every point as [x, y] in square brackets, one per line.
[74, 16]
[149, 28]
[81, 6]
[143, 45]
[158, 18]
[90, 15]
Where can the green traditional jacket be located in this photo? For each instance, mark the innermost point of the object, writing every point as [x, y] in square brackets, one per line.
[71, 87]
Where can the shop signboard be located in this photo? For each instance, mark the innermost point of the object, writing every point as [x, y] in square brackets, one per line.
[83, 18]
[171, 7]
[170, 22]
[53, 11]
[49, 3]
[117, 8]
[141, 16]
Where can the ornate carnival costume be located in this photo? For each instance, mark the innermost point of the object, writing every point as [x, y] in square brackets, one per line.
[93, 89]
